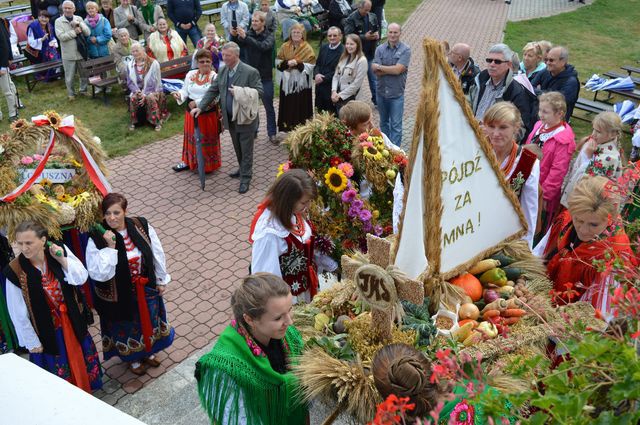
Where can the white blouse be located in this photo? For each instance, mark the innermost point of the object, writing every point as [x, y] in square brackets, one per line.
[75, 275]
[192, 90]
[101, 263]
[269, 244]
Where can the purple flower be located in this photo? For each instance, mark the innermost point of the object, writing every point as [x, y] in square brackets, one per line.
[348, 195]
[353, 212]
[365, 215]
[366, 226]
[377, 230]
[357, 204]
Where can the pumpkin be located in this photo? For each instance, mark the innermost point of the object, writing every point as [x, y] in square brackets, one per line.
[469, 284]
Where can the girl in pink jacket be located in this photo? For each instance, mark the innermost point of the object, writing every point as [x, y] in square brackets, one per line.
[556, 140]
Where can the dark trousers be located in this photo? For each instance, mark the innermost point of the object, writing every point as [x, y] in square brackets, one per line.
[323, 98]
[243, 145]
[267, 101]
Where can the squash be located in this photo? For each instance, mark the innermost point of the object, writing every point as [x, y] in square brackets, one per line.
[470, 284]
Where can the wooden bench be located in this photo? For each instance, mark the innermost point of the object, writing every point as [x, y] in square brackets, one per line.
[93, 69]
[28, 71]
[590, 106]
[211, 13]
[631, 69]
[14, 10]
[613, 74]
[175, 67]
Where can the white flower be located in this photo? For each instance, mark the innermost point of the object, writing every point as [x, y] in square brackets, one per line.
[1, 149]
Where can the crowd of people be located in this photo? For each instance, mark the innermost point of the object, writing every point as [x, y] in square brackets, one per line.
[524, 109]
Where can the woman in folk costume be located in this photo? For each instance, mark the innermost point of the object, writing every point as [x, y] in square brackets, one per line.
[245, 379]
[520, 166]
[42, 45]
[196, 84]
[165, 44]
[211, 43]
[48, 310]
[599, 154]
[144, 81]
[295, 60]
[282, 237]
[128, 266]
[589, 231]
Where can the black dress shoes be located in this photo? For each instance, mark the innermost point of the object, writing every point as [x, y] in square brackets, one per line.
[180, 167]
[244, 187]
[235, 174]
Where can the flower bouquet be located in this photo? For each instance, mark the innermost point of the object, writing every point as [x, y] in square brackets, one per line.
[355, 189]
[51, 172]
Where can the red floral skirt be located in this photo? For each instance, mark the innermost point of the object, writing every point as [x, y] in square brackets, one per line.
[210, 138]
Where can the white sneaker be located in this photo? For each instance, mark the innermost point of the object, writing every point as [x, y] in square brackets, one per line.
[98, 90]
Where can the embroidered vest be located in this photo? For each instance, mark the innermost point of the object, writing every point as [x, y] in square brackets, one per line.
[43, 295]
[521, 174]
[295, 264]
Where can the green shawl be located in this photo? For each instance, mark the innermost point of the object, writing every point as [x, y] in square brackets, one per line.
[148, 11]
[6, 326]
[236, 368]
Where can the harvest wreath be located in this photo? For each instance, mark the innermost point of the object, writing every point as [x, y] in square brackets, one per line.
[52, 172]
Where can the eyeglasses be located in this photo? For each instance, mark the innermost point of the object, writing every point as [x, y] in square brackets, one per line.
[496, 61]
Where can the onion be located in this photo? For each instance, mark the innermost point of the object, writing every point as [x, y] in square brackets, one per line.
[468, 311]
[490, 296]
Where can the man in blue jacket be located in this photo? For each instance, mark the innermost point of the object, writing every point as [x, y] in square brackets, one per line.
[560, 76]
[185, 15]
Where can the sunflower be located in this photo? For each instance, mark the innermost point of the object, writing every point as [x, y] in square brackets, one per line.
[46, 182]
[54, 119]
[372, 152]
[19, 125]
[335, 180]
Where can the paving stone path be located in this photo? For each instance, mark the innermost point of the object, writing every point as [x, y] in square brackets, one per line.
[205, 233]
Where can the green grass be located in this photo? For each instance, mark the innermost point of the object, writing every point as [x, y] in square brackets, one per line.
[600, 37]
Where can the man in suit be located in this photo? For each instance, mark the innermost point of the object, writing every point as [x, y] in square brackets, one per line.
[235, 74]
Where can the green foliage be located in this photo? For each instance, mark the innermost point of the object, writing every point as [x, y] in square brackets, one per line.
[336, 346]
[417, 317]
[599, 383]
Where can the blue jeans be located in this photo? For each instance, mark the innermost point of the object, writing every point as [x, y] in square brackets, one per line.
[373, 81]
[391, 111]
[267, 101]
[194, 34]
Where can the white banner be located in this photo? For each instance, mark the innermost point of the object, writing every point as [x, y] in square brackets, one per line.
[55, 175]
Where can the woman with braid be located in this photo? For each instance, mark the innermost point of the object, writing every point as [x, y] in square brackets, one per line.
[245, 379]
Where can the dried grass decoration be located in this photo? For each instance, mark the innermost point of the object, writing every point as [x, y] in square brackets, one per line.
[328, 380]
[74, 202]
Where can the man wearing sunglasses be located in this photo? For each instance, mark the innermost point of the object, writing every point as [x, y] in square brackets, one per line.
[496, 84]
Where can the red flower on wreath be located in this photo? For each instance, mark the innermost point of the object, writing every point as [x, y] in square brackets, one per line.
[334, 161]
[392, 411]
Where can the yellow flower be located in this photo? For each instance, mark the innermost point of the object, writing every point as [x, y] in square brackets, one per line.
[371, 152]
[46, 182]
[45, 200]
[64, 197]
[78, 199]
[54, 119]
[19, 125]
[335, 180]
[376, 213]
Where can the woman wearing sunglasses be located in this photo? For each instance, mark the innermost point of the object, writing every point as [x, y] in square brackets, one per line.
[496, 84]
